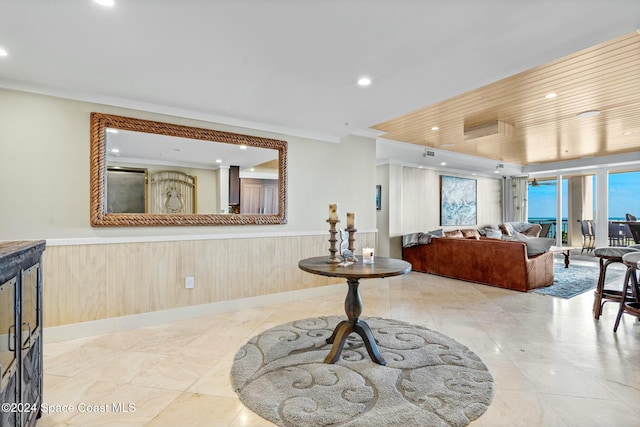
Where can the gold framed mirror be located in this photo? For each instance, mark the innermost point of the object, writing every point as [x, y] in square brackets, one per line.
[218, 157]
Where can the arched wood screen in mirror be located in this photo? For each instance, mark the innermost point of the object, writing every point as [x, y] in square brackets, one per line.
[209, 177]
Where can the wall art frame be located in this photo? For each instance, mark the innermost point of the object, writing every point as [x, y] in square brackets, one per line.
[458, 201]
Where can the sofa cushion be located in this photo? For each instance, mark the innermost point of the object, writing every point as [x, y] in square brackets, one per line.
[470, 232]
[508, 228]
[505, 229]
[411, 239]
[420, 238]
[535, 245]
[456, 234]
[436, 233]
[492, 233]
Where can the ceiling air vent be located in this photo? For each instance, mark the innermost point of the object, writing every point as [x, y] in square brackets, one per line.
[497, 127]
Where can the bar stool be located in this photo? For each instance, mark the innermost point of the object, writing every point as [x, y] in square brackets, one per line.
[608, 255]
[631, 304]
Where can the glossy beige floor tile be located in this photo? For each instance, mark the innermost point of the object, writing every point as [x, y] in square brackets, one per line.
[553, 364]
[194, 410]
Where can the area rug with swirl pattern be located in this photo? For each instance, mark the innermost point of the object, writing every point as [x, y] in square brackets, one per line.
[429, 380]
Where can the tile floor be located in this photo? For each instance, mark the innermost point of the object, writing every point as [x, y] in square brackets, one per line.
[553, 364]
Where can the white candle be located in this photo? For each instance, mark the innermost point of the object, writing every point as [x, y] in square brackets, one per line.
[367, 255]
[351, 220]
[333, 211]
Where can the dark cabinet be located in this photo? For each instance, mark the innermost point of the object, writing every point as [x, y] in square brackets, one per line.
[20, 332]
[234, 185]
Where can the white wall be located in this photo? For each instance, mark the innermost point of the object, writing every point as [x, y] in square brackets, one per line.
[382, 216]
[44, 168]
[389, 218]
[421, 201]
[411, 203]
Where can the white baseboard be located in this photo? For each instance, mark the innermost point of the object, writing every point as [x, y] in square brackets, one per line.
[114, 324]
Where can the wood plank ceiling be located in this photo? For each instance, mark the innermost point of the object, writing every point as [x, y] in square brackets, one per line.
[536, 129]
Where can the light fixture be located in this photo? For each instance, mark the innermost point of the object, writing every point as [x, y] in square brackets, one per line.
[107, 3]
[588, 113]
[218, 160]
[243, 147]
[443, 163]
[551, 95]
[3, 52]
[115, 150]
[435, 128]
[364, 81]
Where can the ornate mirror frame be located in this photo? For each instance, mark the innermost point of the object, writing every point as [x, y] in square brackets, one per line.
[98, 167]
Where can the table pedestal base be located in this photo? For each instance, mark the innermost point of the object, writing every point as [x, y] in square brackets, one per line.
[383, 267]
[340, 335]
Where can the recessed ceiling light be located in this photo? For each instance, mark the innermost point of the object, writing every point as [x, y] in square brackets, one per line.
[115, 150]
[107, 3]
[443, 163]
[551, 95]
[251, 170]
[243, 147]
[435, 128]
[364, 81]
[3, 52]
[218, 160]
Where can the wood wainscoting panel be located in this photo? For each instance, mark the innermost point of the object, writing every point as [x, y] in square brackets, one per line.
[100, 281]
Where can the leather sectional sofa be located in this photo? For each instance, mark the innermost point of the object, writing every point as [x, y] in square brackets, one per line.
[482, 260]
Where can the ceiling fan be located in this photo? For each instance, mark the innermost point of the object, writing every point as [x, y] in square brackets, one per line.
[536, 183]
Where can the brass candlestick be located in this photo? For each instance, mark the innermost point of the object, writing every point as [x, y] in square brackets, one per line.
[352, 239]
[332, 241]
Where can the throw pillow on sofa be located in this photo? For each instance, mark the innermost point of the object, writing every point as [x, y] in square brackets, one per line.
[470, 233]
[491, 233]
[456, 234]
[527, 228]
[436, 233]
[425, 238]
[535, 245]
[420, 238]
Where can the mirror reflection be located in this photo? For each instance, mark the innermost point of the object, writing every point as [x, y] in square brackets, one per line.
[151, 173]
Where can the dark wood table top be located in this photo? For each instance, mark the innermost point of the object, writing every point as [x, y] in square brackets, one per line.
[382, 267]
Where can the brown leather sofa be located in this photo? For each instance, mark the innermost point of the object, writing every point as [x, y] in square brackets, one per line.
[482, 260]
